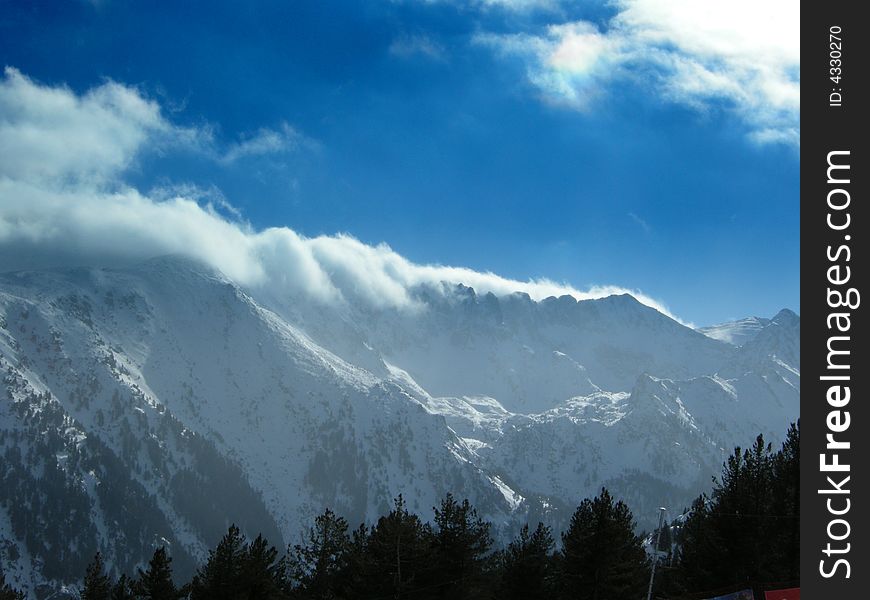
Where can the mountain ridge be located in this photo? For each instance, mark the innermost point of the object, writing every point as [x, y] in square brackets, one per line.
[174, 379]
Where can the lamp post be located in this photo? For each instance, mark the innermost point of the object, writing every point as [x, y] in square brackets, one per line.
[652, 573]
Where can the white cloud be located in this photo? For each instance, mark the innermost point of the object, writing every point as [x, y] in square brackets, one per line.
[747, 31]
[50, 133]
[744, 55]
[44, 221]
[53, 134]
[567, 64]
[581, 48]
[265, 141]
[787, 136]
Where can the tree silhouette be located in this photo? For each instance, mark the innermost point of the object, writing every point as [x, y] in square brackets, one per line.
[526, 565]
[123, 589]
[97, 585]
[219, 578]
[602, 558]
[262, 573]
[748, 530]
[787, 507]
[461, 543]
[319, 569]
[398, 554]
[155, 583]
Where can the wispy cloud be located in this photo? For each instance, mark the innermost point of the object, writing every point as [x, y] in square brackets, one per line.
[409, 46]
[568, 64]
[44, 221]
[50, 133]
[265, 142]
[643, 224]
[741, 57]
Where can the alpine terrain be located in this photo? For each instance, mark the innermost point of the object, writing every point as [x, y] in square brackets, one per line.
[155, 404]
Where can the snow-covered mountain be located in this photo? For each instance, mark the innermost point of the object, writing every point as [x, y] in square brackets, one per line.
[157, 403]
[736, 332]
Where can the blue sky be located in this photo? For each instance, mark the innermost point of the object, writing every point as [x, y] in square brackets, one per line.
[587, 143]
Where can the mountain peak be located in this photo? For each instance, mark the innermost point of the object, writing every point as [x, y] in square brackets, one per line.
[736, 333]
[168, 368]
[786, 317]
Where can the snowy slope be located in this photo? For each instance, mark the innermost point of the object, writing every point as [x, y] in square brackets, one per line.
[780, 334]
[529, 355]
[169, 387]
[736, 332]
[157, 403]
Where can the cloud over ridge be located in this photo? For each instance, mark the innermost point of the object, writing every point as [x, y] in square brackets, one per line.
[64, 201]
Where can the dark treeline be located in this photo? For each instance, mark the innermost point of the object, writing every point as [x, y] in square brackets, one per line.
[747, 532]
[744, 533]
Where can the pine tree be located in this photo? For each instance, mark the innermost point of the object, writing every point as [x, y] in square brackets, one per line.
[361, 577]
[123, 589]
[749, 529]
[740, 516]
[787, 506]
[156, 583]
[319, 569]
[262, 574]
[461, 543]
[602, 558]
[398, 553]
[526, 566]
[96, 585]
[697, 554]
[220, 577]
